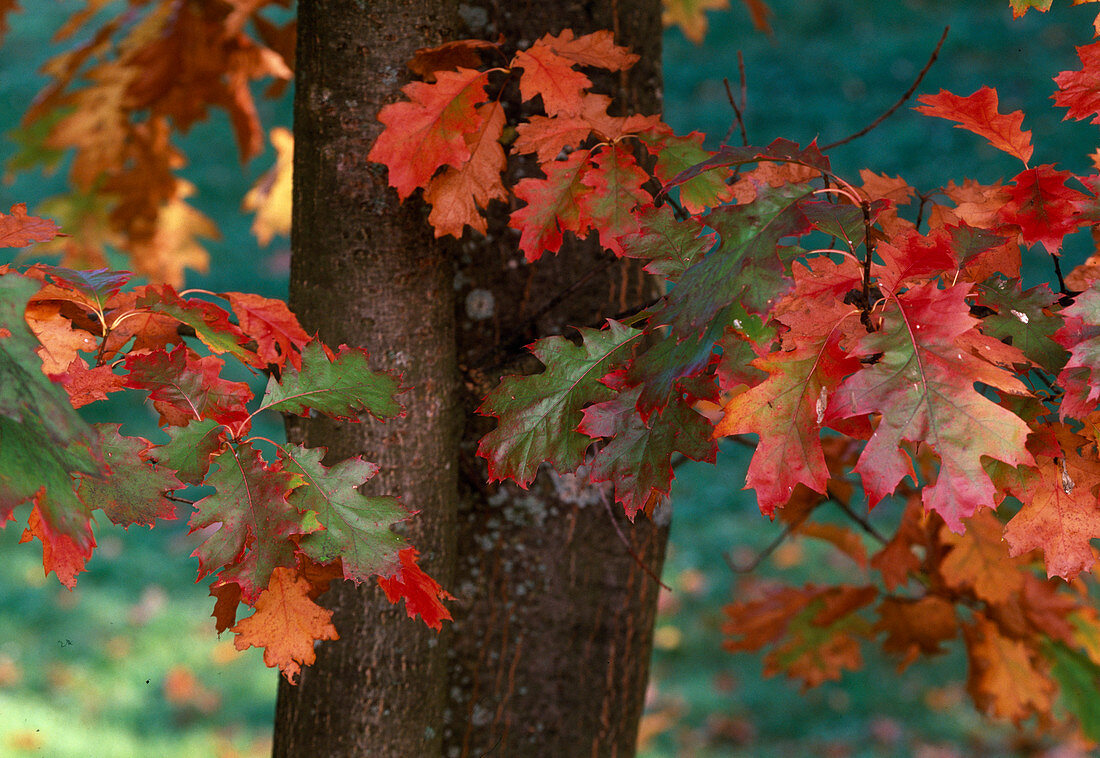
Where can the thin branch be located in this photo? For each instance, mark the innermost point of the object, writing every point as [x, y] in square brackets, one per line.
[626, 543]
[762, 555]
[901, 101]
[1066, 293]
[738, 116]
[864, 524]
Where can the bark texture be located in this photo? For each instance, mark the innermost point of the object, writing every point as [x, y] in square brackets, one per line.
[553, 628]
[366, 271]
[549, 652]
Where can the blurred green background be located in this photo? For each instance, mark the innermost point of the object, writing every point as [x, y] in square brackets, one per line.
[128, 663]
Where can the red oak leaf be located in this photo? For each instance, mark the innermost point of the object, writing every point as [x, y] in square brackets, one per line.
[616, 181]
[1079, 91]
[787, 409]
[286, 624]
[597, 49]
[423, 595]
[1080, 334]
[1044, 208]
[922, 386]
[185, 387]
[429, 130]
[61, 554]
[978, 113]
[552, 206]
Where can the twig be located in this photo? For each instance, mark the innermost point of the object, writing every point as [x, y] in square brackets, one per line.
[738, 117]
[901, 101]
[863, 523]
[1061, 282]
[626, 543]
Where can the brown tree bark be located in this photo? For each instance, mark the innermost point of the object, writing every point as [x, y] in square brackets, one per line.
[549, 651]
[366, 271]
[553, 628]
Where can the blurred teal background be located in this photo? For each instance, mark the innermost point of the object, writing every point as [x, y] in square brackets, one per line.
[128, 663]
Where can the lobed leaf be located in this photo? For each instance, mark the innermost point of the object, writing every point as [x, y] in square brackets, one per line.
[341, 386]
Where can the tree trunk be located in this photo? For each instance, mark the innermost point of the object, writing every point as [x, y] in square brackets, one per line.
[366, 271]
[549, 652]
[553, 628]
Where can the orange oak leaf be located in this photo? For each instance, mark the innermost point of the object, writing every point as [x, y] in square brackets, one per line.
[88, 385]
[551, 76]
[270, 197]
[897, 559]
[979, 560]
[428, 131]
[458, 193]
[61, 554]
[1004, 678]
[690, 16]
[19, 229]
[916, 627]
[1060, 513]
[597, 49]
[546, 136]
[279, 337]
[286, 624]
[61, 343]
[423, 595]
[978, 113]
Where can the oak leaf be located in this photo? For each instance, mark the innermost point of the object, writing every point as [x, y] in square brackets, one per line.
[429, 130]
[356, 526]
[278, 335]
[423, 595]
[286, 624]
[1079, 91]
[62, 553]
[457, 194]
[539, 414]
[923, 388]
[1004, 679]
[978, 113]
[20, 229]
[250, 519]
[1060, 513]
[1044, 208]
[340, 385]
[270, 197]
[132, 491]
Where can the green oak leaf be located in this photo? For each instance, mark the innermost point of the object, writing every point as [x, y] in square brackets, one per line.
[356, 527]
[539, 414]
[343, 387]
[254, 522]
[133, 491]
